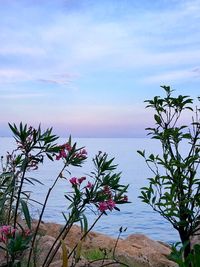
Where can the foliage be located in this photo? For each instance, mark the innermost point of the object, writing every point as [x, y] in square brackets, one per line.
[96, 254]
[100, 255]
[174, 189]
[192, 259]
[101, 191]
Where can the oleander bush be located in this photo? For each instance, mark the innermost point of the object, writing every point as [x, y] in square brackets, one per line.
[101, 191]
[174, 188]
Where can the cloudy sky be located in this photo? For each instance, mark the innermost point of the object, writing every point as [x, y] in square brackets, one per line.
[86, 66]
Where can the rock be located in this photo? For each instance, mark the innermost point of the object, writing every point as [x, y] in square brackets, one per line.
[73, 236]
[56, 264]
[136, 250]
[140, 251]
[42, 228]
[42, 247]
[97, 240]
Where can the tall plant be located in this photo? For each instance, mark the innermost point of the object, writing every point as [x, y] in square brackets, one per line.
[101, 190]
[174, 188]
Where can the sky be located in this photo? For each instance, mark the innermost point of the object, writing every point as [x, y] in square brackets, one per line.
[85, 67]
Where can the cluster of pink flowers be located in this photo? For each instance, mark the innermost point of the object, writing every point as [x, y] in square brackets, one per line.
[65, 149]
[109, 203]
[77, 181]
[82, 154]
[106, 205]
[6, 232]
[89, 185]
[108, 197]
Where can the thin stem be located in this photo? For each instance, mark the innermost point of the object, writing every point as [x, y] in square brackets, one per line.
[47, 261]
[113, 255]
[42, 212]
[50, 256]
[19, 192]
[12, 197]
[62, 235]
[65, 229]
[85, 234]
[116, 244]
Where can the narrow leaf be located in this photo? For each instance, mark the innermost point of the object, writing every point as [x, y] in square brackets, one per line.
[64, 254]
[26, 213]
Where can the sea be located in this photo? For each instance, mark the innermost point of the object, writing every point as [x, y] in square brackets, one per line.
[135, 217]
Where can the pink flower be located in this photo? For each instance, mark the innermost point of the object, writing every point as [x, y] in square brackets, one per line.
[83, 151]
[58, 157]
[80, 180]
[102, 206]
[5, 229]
[110, 204]
[82, 154]
[89, 185]
[68, 147]
[74, 181]
[6, 232]
[63, 154]
[27, 232]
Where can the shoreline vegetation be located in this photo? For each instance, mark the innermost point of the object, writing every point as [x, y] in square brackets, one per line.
[173, 191]
[137, 250]
[101, 191]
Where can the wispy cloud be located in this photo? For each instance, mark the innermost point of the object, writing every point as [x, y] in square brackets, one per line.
[173, 76]
[80, 40]
[115, 51]
[60, 79]
[13, 76]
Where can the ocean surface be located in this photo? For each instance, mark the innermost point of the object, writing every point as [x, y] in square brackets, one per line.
[136, 216]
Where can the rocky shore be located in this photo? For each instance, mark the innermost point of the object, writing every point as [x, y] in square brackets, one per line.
[136, 250]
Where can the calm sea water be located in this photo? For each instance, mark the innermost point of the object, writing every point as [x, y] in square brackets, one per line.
[136, 216]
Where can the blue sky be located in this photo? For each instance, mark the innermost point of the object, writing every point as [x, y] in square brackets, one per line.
[85, 66]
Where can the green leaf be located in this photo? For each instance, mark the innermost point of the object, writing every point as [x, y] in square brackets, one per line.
[30, 179]
[85, 223]
[157, 119]
[142, 153]
[151, 157]
[26, 213]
